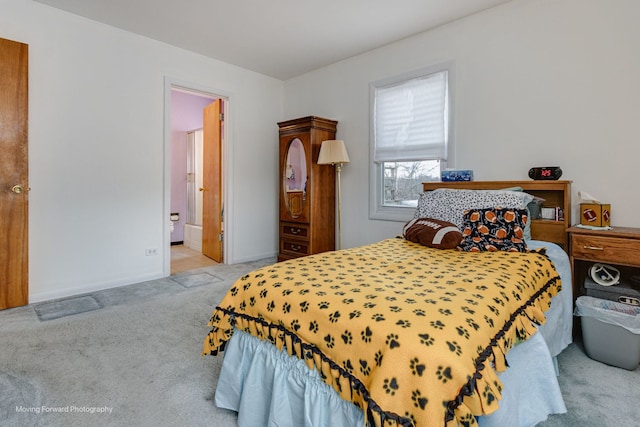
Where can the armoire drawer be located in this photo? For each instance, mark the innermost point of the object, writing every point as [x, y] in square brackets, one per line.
[294, 247]
[294, 230]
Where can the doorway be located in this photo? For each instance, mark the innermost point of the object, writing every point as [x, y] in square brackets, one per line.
[196, 137]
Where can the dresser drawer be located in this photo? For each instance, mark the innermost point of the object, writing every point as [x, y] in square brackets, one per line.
[294, 230]
[294, 247]
[606, 249]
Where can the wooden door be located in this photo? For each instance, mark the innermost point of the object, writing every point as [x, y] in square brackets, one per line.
[212, 219]
[14, 186]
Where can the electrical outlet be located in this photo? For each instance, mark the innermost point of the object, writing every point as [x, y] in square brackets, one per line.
[151, 251]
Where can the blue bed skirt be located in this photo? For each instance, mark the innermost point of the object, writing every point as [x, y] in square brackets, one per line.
[267, 387]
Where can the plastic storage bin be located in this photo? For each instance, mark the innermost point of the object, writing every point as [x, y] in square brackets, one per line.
[610, 331]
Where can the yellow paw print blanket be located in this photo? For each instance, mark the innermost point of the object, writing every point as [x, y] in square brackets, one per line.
[412, 335]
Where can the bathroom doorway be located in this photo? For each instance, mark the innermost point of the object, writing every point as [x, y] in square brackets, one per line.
[196, 221]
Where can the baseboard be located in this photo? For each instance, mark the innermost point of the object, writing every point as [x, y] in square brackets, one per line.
[73, 291]
[181, 242]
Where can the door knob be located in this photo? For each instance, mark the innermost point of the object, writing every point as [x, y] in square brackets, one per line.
[203, 189]
[17, 189]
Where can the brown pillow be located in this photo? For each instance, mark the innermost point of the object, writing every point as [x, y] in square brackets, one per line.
[433, 233]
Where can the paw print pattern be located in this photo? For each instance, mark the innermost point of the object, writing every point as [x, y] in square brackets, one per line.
[378, 317]
[313, 326]
[286, 307]
[366, 335]
[494, 309]
[348, 366]
[468, 310]
[417, 368]
[304, 306]
[364, 367]
[403, 323]
[390, 386]
[489, 320]
[323, 305]
[426, 339]
[454, 347]
[419, 312]
[295, 325]
[419, 401]
[378, 358]
[333, 317]
[472, 323]
[437, 324]
[347, 337]
[263, 293]
[444, 374]
[330, 341]
[392, 341]
[467, 420]
[462, 331]
[354, 314]
[487, 393]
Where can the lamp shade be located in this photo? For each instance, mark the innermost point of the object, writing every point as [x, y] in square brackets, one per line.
[332, 152]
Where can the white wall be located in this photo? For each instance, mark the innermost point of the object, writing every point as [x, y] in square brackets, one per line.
[539, 83]
[96, 150]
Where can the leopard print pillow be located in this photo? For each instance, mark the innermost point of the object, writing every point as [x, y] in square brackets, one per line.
[450, 204]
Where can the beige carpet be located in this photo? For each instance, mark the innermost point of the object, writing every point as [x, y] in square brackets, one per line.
[134, 361]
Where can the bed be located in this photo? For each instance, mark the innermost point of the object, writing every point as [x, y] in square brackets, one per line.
[398, 333]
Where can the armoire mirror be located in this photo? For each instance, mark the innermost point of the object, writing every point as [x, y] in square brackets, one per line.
[295, 178]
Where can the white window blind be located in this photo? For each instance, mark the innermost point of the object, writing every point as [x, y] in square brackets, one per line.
[411, 120]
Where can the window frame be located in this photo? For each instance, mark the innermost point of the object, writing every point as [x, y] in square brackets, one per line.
[377, 210]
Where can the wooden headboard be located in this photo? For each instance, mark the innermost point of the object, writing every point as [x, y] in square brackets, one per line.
[555, 193]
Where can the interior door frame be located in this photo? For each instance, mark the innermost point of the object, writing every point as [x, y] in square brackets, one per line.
[227, 155]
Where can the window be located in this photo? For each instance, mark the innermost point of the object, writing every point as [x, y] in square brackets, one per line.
[410, 138]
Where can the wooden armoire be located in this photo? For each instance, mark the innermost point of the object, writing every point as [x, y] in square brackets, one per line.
[307, 190]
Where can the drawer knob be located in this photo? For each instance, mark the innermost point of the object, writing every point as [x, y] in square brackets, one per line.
[295, 230]
[593, 248]
[295, 248]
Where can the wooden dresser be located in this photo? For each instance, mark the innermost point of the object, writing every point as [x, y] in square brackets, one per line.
[307, 190]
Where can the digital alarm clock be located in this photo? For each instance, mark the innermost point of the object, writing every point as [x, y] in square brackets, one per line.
[547, 172]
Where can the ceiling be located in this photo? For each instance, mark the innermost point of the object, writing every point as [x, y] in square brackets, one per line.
[278, 38]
